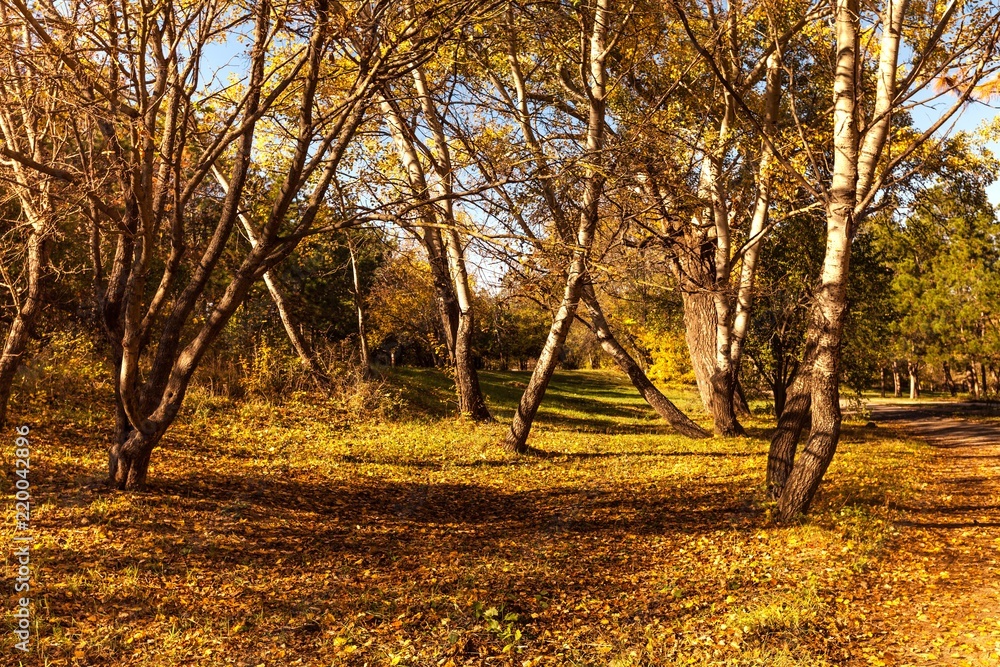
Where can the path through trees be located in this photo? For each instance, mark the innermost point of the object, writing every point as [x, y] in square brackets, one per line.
[945, 612]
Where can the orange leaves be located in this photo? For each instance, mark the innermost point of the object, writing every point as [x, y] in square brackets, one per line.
[413, 543]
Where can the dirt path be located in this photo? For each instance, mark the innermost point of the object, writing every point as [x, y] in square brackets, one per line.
[945, 577]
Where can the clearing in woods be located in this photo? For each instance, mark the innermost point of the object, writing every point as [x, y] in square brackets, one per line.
[301, 533]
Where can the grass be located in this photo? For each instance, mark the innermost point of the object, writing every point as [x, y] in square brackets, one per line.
[299, 533]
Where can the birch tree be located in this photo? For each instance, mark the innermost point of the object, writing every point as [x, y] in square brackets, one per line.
[594, 19]
[954, 46]
[431, 179]
[516, 99]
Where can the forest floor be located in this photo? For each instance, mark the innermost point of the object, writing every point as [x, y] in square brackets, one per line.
[308, 532]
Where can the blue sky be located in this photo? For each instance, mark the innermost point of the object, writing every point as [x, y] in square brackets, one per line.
[973, 116]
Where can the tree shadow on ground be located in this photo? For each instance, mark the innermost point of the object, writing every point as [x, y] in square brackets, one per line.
[587, 402]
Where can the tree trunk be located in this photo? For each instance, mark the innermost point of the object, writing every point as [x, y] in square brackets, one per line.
[970, 373]
[850, 160]
[24, 321]
[576, 275]
[470, 395]
[516, 440]
[740, 402]
[748, 270]
[444, 249]
[780, 392]
[897, 380]
[882, 381]
[366, 366]
[914, 370]
[949, 383]
[660, 403]
[715, 387]
[307, 356]
[792, 416]
[128, 461]
[779, 382]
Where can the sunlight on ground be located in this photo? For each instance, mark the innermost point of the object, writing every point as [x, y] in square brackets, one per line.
[292, 534]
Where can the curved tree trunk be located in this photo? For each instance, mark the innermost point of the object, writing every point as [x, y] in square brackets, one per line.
[792, 419]
[25, 108]
[593, 47]
[306, 353]
[663, 406]
[852, 163]
[740, 402]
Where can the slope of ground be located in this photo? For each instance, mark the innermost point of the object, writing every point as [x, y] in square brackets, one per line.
[294, 533]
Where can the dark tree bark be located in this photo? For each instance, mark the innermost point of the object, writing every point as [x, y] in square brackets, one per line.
[740, 402]
[780, 392]
[715, 386]
[793, 417]
[949, 383]
[970, 374]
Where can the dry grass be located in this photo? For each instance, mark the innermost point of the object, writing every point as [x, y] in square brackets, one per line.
[297, 533]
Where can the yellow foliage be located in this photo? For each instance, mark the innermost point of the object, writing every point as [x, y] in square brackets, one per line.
[671, 361]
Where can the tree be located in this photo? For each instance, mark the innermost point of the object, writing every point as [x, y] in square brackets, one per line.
[594, 20]
[438, 230]
[517, 100]
[33, 142]
[717, 294]
[311, 70]
[945, 256]
[857, 177]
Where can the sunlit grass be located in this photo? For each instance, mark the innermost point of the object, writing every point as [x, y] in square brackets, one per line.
[293, 532]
